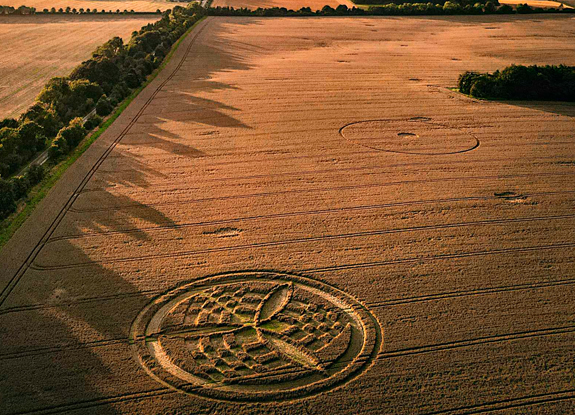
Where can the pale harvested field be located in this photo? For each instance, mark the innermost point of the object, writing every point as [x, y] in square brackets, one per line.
[37, 48]
[136, 5]
[536, 3]
[288, 4]
[232, 159]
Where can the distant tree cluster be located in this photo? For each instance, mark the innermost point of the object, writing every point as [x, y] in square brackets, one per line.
[69, 10]
[517, 82]
[64, 110]
[23, 10]
[395, 8]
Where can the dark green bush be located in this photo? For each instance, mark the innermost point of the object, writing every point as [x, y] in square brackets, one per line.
[58, 148]
[7, 198]
[20, 186]
[68, 138]
[18, 145]
[8, 122]
[104, 107]
[544, 83]
[45, 117]
[92, 122]
[35, 174]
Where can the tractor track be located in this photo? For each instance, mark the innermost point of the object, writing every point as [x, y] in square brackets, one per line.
[297, 213]
[325, 189]
[179, 254]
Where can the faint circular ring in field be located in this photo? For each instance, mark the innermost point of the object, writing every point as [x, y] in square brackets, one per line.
[418, 135]
[255, 336]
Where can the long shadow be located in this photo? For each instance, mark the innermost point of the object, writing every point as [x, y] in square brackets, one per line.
[488, 18]
[53, 346]
[64, 332]
[566, 109]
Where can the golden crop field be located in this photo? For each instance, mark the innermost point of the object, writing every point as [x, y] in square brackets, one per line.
[537, 3]
[136, 5]
[294, 218]
[37, 48]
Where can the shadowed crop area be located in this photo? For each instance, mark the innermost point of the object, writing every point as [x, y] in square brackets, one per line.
[299, 215]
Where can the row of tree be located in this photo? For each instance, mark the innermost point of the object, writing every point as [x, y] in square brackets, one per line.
[518, 82]
[20, 10]
[404, 9]
[23, 10]
[62, 114]
[69, 10]
[462, 3]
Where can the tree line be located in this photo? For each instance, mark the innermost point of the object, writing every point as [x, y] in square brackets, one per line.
[403, 9]
[462, 3]
[63, 112]
[518, 82]
[23, 10]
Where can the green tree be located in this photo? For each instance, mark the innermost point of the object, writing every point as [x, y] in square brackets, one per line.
[7, 199]
[104, 107]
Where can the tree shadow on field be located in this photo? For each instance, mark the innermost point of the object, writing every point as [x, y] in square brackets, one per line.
[184, 106]
[64, 328]
[69, 345]
[566, 109]
[489, 18]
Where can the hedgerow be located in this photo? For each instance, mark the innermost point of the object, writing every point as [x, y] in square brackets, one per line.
[543, 83]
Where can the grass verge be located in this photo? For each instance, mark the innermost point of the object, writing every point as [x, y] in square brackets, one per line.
[12, 223]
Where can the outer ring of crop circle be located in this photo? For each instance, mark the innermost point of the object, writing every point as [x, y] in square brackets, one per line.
[372, 339]
[413, 119]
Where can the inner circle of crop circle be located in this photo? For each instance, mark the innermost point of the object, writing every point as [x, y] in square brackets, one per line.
[416, 135]
[255, 336]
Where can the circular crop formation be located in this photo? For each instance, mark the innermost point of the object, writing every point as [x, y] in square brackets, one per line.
[255, 335]
[418, 135]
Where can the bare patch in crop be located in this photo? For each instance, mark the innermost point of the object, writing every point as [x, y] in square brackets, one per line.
[226, 232]
[511, 197]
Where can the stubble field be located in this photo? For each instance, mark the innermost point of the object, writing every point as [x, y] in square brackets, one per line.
[538, 3]
[37, 48]
[427, 238]
[136, 5]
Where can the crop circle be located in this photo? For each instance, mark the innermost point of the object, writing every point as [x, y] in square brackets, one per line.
[417, 135]
[255, 336]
